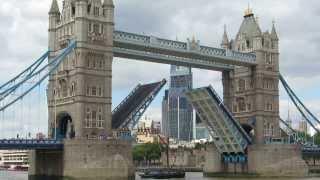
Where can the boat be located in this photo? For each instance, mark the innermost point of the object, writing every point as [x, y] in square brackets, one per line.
[163, 174]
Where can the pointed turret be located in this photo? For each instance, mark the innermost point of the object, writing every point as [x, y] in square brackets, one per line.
[274, 35]
[54, 7]
[225, 39]
[249, 26]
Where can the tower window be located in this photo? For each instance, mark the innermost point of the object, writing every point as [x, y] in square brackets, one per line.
[73, 10]
[89, 8]
[94, 91]
[248, 43]
[96, 11]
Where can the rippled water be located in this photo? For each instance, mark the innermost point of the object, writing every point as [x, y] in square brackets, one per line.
[6, 175]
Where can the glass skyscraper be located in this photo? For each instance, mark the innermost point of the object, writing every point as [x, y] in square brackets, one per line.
[177, 115]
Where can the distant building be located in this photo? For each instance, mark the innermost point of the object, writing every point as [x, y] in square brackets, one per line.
[177, 118]
[303, 126]
[12, 159]
[147, 135]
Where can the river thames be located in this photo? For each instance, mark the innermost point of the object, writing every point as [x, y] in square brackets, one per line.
[7, 175]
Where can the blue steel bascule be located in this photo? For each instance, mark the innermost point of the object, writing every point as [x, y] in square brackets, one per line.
[229, 137]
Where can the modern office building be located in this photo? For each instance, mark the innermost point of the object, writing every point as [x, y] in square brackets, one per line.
[177, 115]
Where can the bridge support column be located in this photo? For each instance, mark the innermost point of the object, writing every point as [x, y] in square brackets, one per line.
[84, 160]
[46, 165]
[98, 160]
[277, 160]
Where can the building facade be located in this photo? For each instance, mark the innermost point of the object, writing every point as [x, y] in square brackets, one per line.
[252, 93]
[177, 113]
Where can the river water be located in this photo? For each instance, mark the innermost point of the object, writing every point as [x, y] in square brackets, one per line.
[7, 175]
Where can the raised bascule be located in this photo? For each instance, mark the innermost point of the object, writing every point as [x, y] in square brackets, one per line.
[82, 43]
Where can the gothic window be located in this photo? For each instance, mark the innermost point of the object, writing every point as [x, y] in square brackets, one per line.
[101, 29]
[94, 91]
[88, 91]
[88, 118]
[100, 119]
[89, 8]
[241, 104]
[73, 11]
[100, 91]
[269, 106]
[235, 108]
[94, 118]
[90, 27]
[96, 28]
[247, 43]
[100, 64]
[96, 11]
[248, 106]
[64, 88]
[72, 89]
[268, 59]
[242, 84]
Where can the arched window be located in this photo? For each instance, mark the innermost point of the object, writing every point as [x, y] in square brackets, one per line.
[88, 119]
[242, 85]
[64, 88]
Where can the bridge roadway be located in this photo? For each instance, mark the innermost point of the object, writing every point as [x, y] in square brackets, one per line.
[228, 135]
[192, 54]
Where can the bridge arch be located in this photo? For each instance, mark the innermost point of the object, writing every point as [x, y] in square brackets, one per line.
[64, 126]
[249, 129]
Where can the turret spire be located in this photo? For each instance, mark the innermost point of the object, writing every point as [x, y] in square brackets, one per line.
[225, 39]
[274, 34]
[54, 7]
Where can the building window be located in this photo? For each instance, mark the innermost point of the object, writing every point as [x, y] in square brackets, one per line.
[94, 91]
[96, 28]
[96, 11]
[100, 119]
[241, 104]
[90, 27]
[88, 119]
[100, 91]
[242, 85]
[94, 118]
[88, 91]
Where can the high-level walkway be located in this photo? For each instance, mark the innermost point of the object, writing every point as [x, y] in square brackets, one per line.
[153, 49]
[228, 135]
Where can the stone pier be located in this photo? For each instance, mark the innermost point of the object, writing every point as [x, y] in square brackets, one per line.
[267, 160]
[84, 160]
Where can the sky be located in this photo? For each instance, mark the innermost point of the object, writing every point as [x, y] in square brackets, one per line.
[24, 37]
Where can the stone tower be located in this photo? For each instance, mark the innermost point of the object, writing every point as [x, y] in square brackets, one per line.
[252, 93]
[79, 92]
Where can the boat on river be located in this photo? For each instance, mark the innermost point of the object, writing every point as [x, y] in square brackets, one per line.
[163, 173]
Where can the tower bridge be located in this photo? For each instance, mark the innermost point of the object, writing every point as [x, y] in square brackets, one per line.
[82, 44]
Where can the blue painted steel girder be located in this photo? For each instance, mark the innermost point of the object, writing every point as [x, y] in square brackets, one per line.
[28, 144]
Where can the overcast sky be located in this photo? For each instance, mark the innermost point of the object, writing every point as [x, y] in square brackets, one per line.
[24, 24]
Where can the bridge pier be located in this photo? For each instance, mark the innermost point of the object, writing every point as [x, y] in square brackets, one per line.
[84, 160]
[46, 165]
[264, 160]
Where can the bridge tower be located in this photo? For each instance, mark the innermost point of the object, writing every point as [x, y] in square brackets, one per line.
[79, 97]
[252, 93]
[79, 92]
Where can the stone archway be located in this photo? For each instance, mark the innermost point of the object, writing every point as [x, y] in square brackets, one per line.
[64, 127]
[249, 129]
